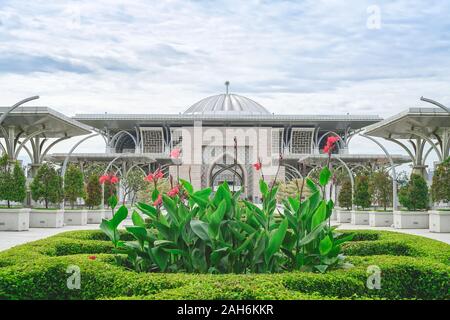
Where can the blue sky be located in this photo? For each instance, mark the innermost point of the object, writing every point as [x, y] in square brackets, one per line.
[162, 56]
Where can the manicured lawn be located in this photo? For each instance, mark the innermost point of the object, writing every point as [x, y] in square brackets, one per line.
[412, 267]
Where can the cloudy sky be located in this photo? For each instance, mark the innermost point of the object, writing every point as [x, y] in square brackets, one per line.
[313, 56]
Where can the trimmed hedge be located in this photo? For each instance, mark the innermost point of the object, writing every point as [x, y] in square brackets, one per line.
[412, 268]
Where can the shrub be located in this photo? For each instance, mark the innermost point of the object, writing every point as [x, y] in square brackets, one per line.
[362, 195]
[37, 270]
[47, 186]
[73, 184]
[345, 194]
[414, 196]
[440, 188]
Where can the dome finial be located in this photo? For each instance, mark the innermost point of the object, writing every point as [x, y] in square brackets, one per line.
[227, 84]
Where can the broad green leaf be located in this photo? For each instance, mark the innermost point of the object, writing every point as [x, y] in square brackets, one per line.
[275, 241]
[140, 233]
[161, 257]
[171, 209]
[319, 215]
[245, 245]
[216, 218]
[187, 186]
[155, 194]
[137, 219]
[324, 176]
[311, 185]
[325, 245]
[148, 210]
[204, 193]
[322, 268]
[108, 229]
[120, 215]
[311, 236]
[263, 188]
[200, 228]
[112, 201]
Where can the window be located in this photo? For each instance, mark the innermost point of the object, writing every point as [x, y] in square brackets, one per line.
[152, 140]
[301, 141]
[277, 141]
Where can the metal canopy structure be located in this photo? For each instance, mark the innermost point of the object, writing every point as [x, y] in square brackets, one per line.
[354, 160]
[413, 129]
[36, 130]
[130, 121]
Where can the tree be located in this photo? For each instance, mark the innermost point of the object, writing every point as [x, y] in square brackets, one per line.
[440, 187]
[345, 194]
[414, 196]
[12, 182]
[18, 184]
[380, 187]
[93, 194]
[73, 184]
[133, 183]
[47, 186]
[362, 195]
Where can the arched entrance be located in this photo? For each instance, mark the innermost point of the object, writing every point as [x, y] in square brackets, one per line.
[224, 169]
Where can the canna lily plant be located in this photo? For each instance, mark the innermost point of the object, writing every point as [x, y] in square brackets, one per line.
[201, 232]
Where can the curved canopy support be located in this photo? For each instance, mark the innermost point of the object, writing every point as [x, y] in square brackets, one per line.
[394, 174]
[31, 136]
[50, 147]
[418, 134]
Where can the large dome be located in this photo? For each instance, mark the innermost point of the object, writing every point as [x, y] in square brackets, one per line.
[227, 103]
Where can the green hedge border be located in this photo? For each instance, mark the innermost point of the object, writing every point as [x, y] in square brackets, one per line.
[412, 268]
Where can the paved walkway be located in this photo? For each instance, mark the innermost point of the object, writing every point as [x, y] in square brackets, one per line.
[12, 238]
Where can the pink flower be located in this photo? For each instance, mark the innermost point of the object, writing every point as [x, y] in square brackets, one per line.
[92, 257]
[149, 177]
[175, 153]
[331, 142]
[158, 201]
[114, 179]
[103, 179]
[158, 174]
[257, 165]
[173, 192]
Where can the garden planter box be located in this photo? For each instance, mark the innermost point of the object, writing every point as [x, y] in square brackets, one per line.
[46, 218]
[75, 217]
[360, 217]
[411, 220]
[381, 219]
[95, 216]
[14, 219]
[344, 216]
[439, 221]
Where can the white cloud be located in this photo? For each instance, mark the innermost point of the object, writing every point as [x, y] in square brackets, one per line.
[162, 56]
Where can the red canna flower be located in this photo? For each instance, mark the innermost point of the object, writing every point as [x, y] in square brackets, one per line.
[173, 192]
[158, 174]
[92, 257]
[149, 177]
[257, 165]
[103, 179]
[331, 143]
[158, 201]
[114, 179]
[175, 153]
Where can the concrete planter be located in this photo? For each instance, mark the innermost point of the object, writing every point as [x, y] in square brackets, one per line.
[75, 217]
[95, 216]
[439, 221]
[344, 216]
[360, 217]
[381, 219]
[14, 219]
[46, 218]
[411, 220]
